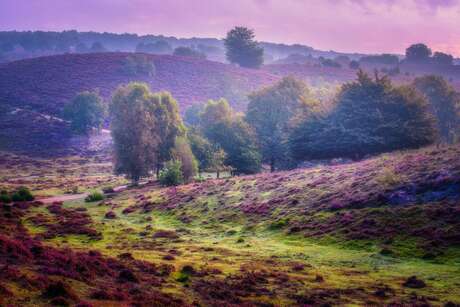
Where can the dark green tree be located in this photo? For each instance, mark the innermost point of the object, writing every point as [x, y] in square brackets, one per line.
[85, 112]
[241, 48]
[442, 59]
[270, 112]
[444, 103]
[418, 53]
[371, 116]
[211, 157]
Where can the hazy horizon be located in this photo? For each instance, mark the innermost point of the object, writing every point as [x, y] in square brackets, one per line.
[341, 25]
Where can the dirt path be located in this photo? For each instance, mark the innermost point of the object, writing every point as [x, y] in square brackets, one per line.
[62, 198]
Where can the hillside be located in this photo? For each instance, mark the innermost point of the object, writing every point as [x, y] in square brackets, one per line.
[384, 231]
[33, 90]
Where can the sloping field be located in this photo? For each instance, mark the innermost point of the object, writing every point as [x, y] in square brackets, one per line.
[384, 231]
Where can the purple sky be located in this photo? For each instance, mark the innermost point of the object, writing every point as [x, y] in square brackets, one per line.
[371, 26]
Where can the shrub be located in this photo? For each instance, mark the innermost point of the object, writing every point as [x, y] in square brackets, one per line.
[138, 64]
[171, 174]
[4, 197]
[94, 196]
[22, 194]
[85, 111]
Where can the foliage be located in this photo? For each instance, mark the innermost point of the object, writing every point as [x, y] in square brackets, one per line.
[171, 174]
[5, 197]
[85, 111]
[371, 116]
[138, 64]
[418, 53]
[183, 153]
[168, 127]
[133, 124]
[271, 110]
[231, 133]
[22, 194]
[241, 48]
[94, 196]
[193, 114]
[210, 156]
[444, 102]
[440, 58]
[189, 52]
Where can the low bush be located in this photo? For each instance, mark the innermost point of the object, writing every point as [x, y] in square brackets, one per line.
[4, 197]
[22, 194]
[171, 174]
[94, 196]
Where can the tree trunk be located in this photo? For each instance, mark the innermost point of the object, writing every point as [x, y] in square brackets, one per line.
[218, 174]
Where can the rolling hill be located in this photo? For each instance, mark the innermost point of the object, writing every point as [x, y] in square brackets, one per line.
[34, 91]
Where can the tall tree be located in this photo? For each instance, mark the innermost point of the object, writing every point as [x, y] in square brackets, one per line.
[133, 126]
[270, 111]
[241, 48]
[231, 133]
[168, 126]
[85, 112]
[371, 116]
[444, 103]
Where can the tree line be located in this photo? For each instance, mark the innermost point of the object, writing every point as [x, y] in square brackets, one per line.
[283, 125]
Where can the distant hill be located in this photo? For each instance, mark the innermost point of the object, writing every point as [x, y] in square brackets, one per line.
[15, 45]
[32, 90]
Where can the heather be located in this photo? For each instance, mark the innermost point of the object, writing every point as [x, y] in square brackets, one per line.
[380, 231]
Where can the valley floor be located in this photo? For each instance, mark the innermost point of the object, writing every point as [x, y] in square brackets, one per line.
[377, 232]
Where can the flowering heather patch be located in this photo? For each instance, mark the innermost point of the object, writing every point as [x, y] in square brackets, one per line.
[374, 198]
[383, 231]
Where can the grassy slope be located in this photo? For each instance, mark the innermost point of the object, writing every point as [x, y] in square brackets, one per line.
[348, 234]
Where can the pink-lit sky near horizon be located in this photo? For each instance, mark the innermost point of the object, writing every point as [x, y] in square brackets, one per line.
[367, 26]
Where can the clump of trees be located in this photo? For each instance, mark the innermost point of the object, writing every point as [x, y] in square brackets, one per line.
[444, 103]
[222, 140]
[271, 112]
[422, 54]
[189, 52]
[371, 116]
[138, 64]
[85, 112]
[242, 49]
[147, 132]
[227, 130]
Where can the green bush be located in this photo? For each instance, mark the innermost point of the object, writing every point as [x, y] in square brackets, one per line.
[171, 174]
[4, 197]
[94, 196]
[22, 194]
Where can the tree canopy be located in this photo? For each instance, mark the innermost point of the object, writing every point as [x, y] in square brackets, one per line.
[133, 123]
[444, 103]
[85, 112]
[371, 116]
[270, 112]
[241, 48]
[418, 53]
